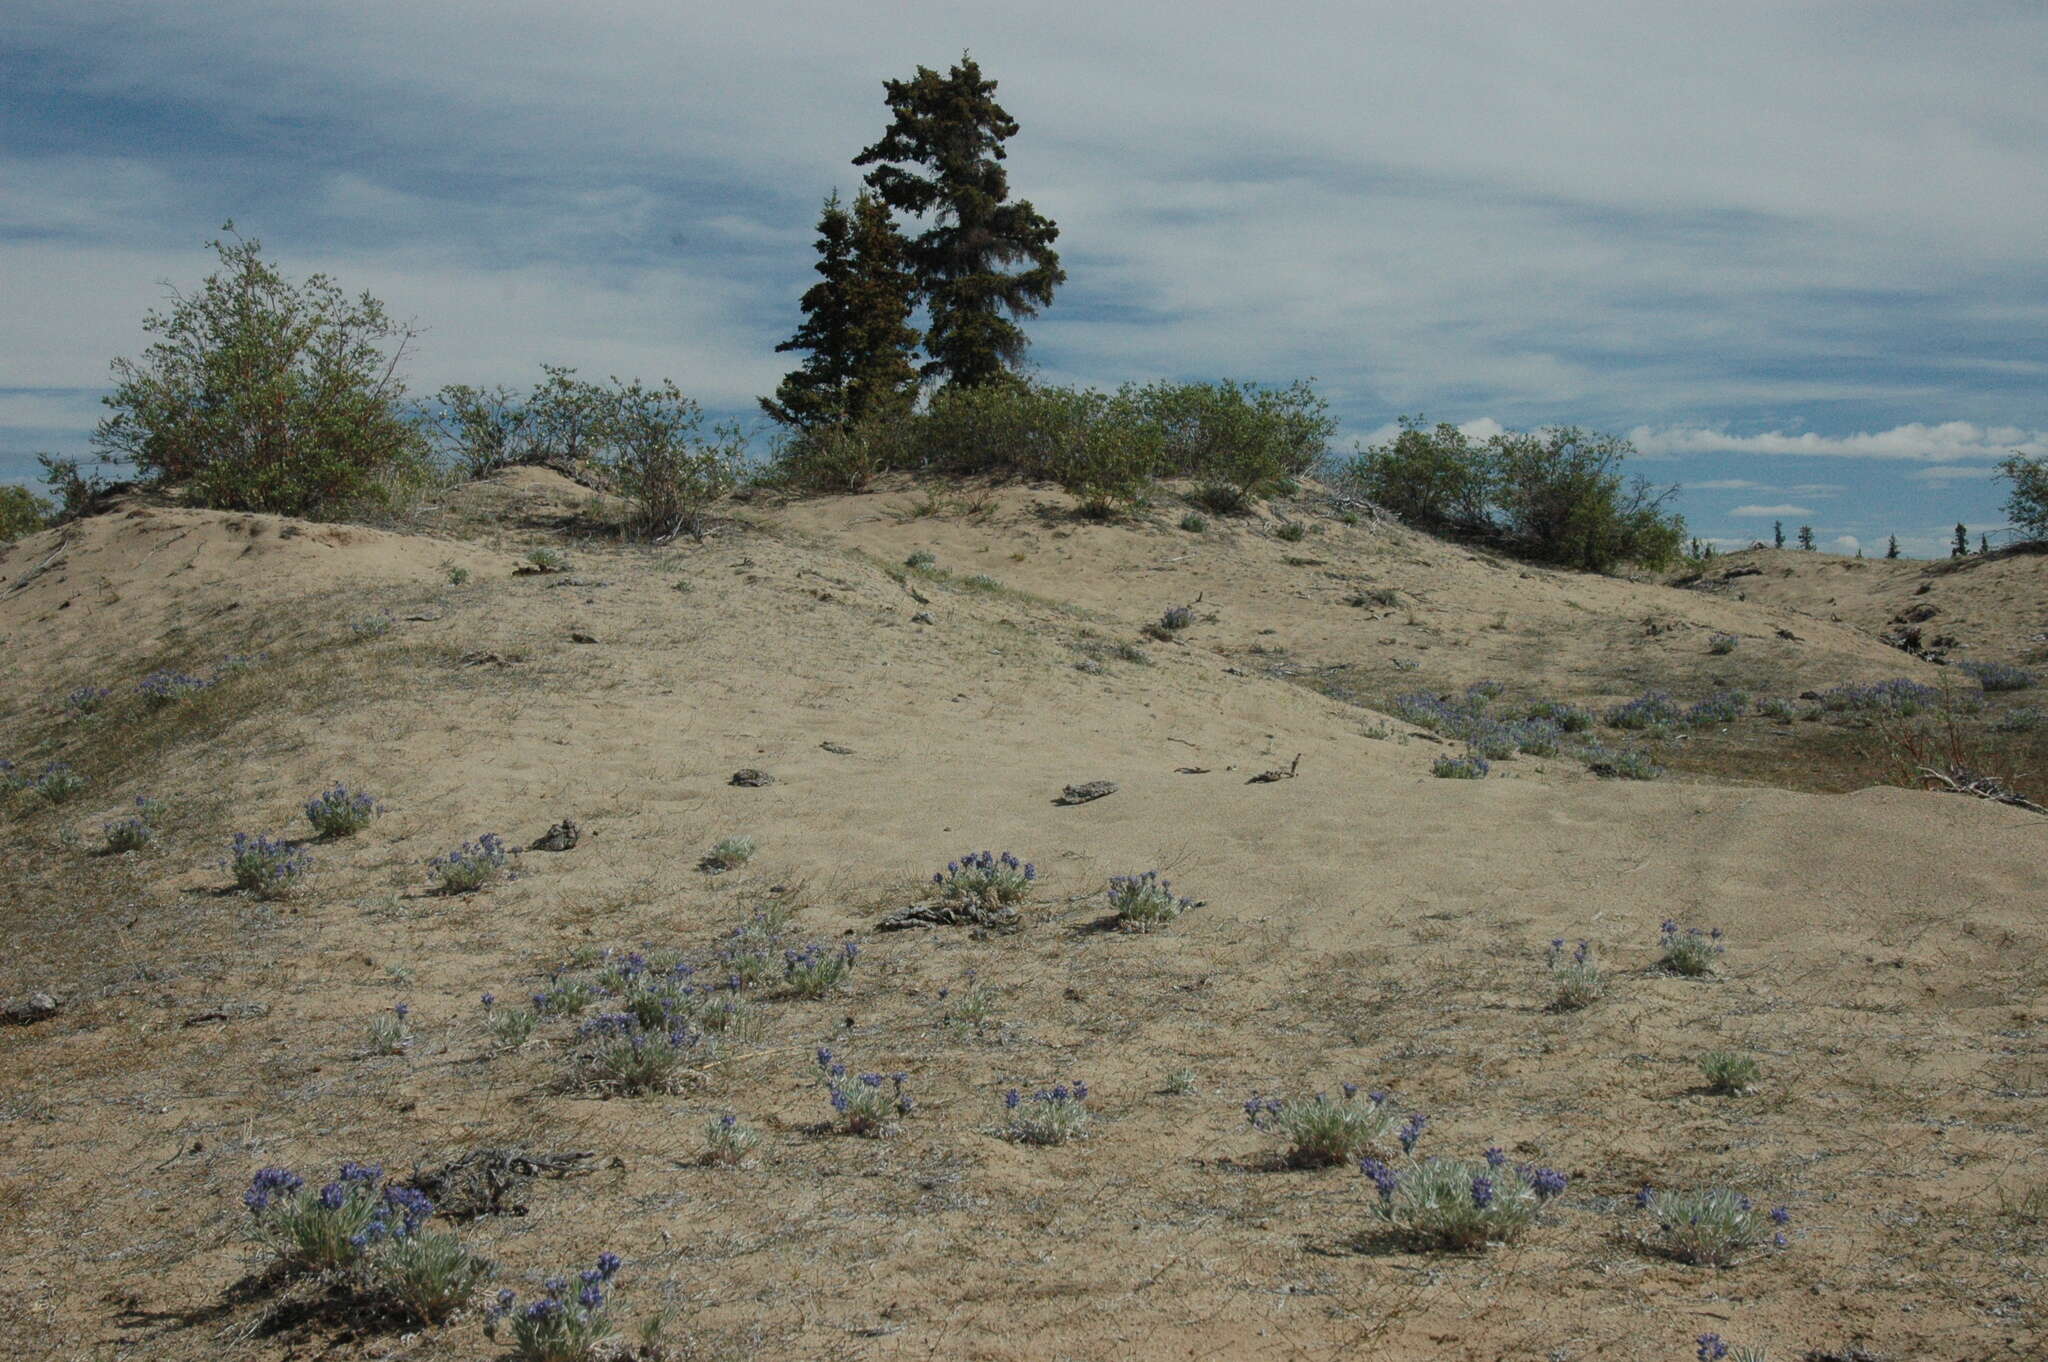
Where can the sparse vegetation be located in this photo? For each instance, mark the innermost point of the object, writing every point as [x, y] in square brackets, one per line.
[1321, 1132]
[1729, 1072]
[1459, 1205]
[1711, 1228]
[1052, 1116]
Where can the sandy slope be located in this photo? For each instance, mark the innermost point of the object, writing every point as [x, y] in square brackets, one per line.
[1361, 921]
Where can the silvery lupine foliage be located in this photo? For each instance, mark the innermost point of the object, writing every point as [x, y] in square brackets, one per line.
[1729, 1072]
[57, 782]
[1144, 902]
[1577, 976]
[1178, 618]
[568, 1322]
[2025, 719]
[991, 879]
[1689, 950]
[509, 1027]
[1570, 718]
[1619, 763]
[1719, 708]
[620, 1054]
[1777, 708]
[1459, 1204]
[1537, 737]
[266, 868]
[816, 970]
[728, 1141]
[428, 1275]
[1713, 1348]
[2000, 675]
[317, 1230]
[1053, 1116]
[1708, 1228]
[470, 866]
[86, 700]
[861, 1105]
[1320, 1132]
[1471, 766]
[1898, 697]
[1645, 711]
[341, 812]
[1722, 644]
[161, 689]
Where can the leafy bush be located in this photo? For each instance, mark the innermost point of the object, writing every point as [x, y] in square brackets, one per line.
[2025, 719]
[815, 971]
[470, 866]
[341, 812]
[1728, 1072]
[1460, 1204]
[1707, 1228]
[22, 512]
[1320, 1132]
[1246, 437]
[1144, 902]
[1471, 766]
[1689, 951]
[1577, 976]
[862, 1106]
[263, 395]
[652, 450]
[1291, 532]
[1054, 1116]
[992, 880]
[2028, 504]
[268, 869]
[560, 1325]
[1558, 496]
[1898, 697]
[547, 560]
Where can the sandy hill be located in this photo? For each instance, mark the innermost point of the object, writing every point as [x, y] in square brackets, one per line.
[1360, 921]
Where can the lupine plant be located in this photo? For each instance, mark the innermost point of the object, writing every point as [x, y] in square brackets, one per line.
[1719, 708]
[993, 880]
[1577, 976]
[333, 1227]
[86, 701]
[1898, 697]
[618, 1054]
[728, 1140]
[730, 854]
[1177, 618]
[1730, 1073]
[1779, 708]
[266, 868]
[57, 783]
[1619, 763]
[815, 971]
[862, 1105]
[1052, 1116]
[161, 689]
[509, 1027]
[1720, 645]
[1181, 1082]
[547, 560]
[1711, 1228]
[430, 1275]
[1652, 710]
[1994, 676]
[1713, 1348]
[138, 829]
[1459, 1204]
[1689, 951]
[1570, 718]
[341, 812]
[568, 1322]
[470, 866]
[970, 1008]
[1144, 902]
[1471, 766]
[1320, 1132]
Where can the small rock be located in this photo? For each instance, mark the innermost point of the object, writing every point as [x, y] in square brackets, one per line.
[563, 836]
[1082, 793]
[837, 749]
[924, 617]
[751, 778]
[30, 1010]
[580, 637]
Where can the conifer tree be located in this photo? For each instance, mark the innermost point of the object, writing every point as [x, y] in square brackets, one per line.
[855, 323]
[941, 159]
[1961, 548]
[1778, 534]
[1806, 538]
[1892, 549]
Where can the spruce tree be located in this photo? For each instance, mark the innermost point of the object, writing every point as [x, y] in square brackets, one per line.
[1778, 534]
[855, 324]
[941, 159]
[1892, 549]
[1961, 548]
[1806, 538]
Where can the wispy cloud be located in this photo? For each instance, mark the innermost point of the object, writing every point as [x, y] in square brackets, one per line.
[1914, 440]
[1771, 510]
[1953, 473]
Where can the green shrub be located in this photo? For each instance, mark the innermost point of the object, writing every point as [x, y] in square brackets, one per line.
[1557, 496]
[22, 512]
[259, 394]
[1244, 436]
[2028, 504]
[667, 473]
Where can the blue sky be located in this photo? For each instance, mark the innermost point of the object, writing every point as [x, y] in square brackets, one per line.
[1794, 251]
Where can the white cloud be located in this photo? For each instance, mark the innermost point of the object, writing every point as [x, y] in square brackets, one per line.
[1725, 485]
[1845, 543]
[1916, 440]
[1779, 511]
[1942, 473]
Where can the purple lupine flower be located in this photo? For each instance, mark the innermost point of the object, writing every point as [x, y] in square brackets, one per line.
[1011, 1099]
[1350, 1091]
[1712, 1349]
[1496, 1156]
[490, 1001]
[608, 1263]
[1383, 1177]
[1644, 1196]
[1482, 1192]
[591, 1297]
[505, 1298]
[1412, 1132]
[333, 1196]
[1545, 1182]
[1781, 1215]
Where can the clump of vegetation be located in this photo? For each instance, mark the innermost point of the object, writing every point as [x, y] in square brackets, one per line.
[1722, 707]
[1998, 676]
[1320, 1132]
[1730, 1073]
[547, 560]
[863, 1105]
[1651, 710]
[22, 512]
[333, 1226]
[1711, 1228]
[1898, 698]
[1459, 1205]
[1689, 951]
[618, 1053]
[990, 880]
[367, 627]
[430, 1275]
[1713, 1348]
[1181, 1082]
[1570, 718]
[1623, 763]
[1576, 975]
[1054, 1116]
[509, 1027]
[568, 1322]
[730, 854]
[137, 830]
[266, 868]
[921, 560]
[259, 394]
[1193, 523]
[1778, 708]
[86, 701]
[1291, 532]
[1558, 495]
[728, 1141]
[161, 690]
[1471, 766]
[57, 783]
[470, 866]
[815, 971]
[1177, 618]
[1144, 902]
[341, 812]
[391, 1032]
[1720, 645]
